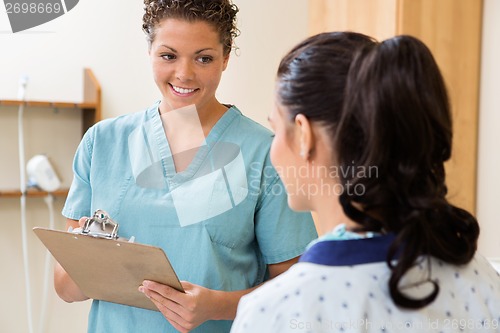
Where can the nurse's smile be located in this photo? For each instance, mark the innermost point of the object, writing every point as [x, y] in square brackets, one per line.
[182, 92]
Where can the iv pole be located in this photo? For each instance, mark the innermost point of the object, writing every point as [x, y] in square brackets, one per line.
[22, 170]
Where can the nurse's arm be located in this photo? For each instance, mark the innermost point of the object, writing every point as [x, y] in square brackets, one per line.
[185, 311]
[230, 299]
[277, 269]
[65, 287]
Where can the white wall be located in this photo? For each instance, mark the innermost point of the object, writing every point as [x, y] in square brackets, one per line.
[107, 37]
[489, 133]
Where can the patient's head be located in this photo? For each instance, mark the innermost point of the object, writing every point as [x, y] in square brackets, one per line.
[387, 134]
[310, 93]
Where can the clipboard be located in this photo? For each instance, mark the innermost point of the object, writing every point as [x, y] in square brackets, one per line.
[109, 269]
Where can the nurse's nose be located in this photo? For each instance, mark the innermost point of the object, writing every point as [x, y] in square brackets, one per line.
[185, 71]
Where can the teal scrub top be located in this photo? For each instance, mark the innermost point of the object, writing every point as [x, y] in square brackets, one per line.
[221, 221]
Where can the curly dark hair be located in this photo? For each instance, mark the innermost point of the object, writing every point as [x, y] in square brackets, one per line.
[221, 14]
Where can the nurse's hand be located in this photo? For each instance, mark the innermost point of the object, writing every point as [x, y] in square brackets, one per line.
[185, 311]
[64, 285]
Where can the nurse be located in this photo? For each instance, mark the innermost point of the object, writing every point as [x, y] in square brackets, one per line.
[190, 175]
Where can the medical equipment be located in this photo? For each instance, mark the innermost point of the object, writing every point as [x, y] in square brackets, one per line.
[23, 82]
[41, 175]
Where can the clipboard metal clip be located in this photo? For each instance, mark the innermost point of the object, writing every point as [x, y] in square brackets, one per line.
[100, 225]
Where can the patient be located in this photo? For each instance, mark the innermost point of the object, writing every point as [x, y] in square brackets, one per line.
[396, 255]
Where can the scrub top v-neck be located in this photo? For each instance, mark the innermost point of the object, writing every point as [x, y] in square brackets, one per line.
[220, 222]
[176, 177]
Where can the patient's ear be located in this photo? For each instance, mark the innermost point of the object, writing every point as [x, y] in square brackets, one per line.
[305, 136]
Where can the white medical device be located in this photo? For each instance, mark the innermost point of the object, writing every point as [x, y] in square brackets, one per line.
[41, 174]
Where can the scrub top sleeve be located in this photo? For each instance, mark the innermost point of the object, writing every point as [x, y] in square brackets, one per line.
[79, 197]
[282, 234]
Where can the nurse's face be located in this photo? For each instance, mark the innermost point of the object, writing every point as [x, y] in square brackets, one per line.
[188, 61]
[285, 157]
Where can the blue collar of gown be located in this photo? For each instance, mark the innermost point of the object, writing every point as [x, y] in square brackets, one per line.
[349, 252]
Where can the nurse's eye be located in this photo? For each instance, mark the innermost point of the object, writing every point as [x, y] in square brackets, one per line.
[168, 56]
[205, 59]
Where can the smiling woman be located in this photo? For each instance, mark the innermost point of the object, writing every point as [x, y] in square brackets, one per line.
[177, 176]
[188, 60]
